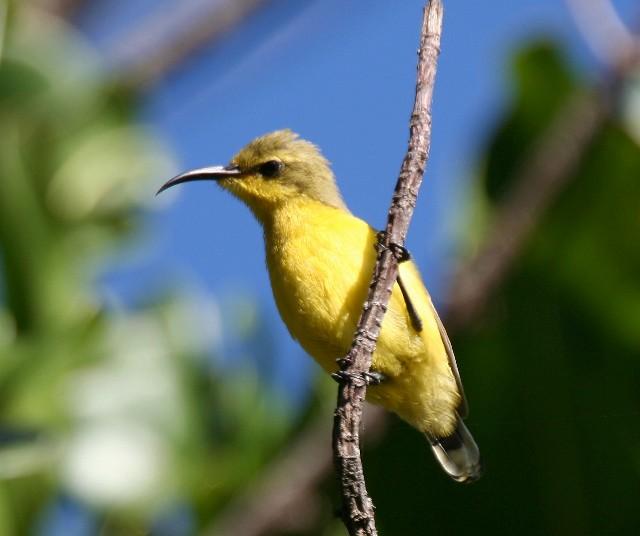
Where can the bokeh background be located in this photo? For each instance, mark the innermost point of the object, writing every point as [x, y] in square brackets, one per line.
[147, 385]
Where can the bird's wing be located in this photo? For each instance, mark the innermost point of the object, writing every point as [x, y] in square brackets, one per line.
[463, 409]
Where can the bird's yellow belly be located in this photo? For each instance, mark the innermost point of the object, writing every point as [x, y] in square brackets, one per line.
[320, 275]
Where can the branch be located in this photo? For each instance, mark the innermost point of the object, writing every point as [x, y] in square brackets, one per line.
[161, 45]
[545, 173]
[284, 496]
[274, 503]
[65, 9]
[603, 30]
[358, 512]
[149, 54]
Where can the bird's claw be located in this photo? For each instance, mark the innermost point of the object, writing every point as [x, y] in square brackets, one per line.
[374, 378]
[402, 255]
[361, 378]
[399, 252]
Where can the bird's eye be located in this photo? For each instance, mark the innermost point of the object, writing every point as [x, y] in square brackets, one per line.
[271, 169]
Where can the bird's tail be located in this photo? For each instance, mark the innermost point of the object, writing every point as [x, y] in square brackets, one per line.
[458, 454]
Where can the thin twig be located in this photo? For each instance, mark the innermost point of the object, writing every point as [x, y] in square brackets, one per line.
[358, 512]
[318, 464]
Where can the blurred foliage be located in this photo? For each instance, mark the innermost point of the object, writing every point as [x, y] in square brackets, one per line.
[111, 420]
[117, 421]
[552, 368]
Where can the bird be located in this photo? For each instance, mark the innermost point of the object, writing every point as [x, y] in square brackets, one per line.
[320, 259]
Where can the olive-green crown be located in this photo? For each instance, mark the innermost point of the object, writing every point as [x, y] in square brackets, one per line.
[305, 168]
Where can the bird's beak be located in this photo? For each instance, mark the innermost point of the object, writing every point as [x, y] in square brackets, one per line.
[212, 173]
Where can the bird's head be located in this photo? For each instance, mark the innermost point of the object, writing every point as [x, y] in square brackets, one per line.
[273, 170]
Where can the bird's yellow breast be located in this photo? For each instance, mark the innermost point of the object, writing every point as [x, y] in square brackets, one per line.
[320, 262]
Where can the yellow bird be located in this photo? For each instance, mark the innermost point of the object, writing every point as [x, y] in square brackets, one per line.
[320, 259]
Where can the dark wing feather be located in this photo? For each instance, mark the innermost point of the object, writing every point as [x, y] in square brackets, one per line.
[463, 409]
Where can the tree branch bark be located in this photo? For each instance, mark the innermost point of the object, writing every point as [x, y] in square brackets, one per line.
[285, 496]
[358, 510]
[269, 507]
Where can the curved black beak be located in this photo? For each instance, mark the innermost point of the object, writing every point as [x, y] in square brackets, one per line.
[212, 173]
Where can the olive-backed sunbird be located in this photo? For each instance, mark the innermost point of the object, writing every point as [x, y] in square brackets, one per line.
[320, 259]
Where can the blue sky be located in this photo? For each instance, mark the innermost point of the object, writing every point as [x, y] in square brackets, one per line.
[342, 74]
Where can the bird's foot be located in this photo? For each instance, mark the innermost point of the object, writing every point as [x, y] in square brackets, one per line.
[374, 378]
[359, 378]
[399, 252]
[402, 255]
